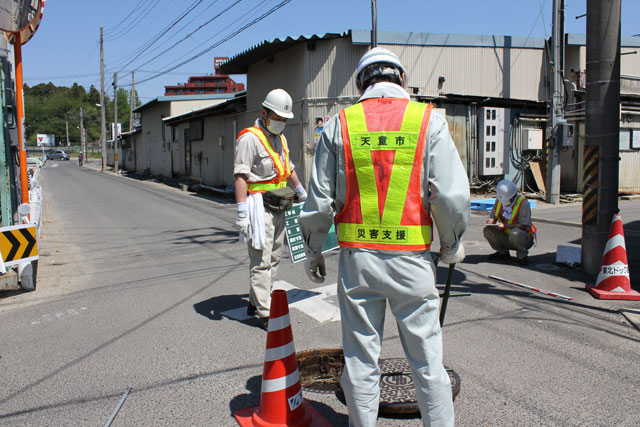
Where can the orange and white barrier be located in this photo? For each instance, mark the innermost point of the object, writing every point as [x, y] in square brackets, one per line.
[613, 280]
[281, 401]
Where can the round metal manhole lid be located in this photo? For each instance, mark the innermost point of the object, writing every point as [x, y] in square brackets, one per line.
[397, 389]
[320, 372]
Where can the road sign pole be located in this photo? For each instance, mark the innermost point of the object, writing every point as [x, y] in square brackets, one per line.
[24, 183]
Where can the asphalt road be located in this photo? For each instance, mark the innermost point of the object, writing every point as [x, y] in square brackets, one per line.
[135, 280]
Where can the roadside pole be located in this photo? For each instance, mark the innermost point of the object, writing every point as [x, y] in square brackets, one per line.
[374, 23]
[132, 98]
[557, 104]
[115, 123]
[601, 151]
[82, 141]
[103, 133]
[24, 182]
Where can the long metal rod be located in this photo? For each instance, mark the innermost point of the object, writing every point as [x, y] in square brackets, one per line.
[115, 411]
[522, 285]
[447, 291]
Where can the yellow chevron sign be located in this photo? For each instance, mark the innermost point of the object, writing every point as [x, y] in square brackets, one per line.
[18, 244]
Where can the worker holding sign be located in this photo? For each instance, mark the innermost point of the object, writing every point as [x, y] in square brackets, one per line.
[261, 171]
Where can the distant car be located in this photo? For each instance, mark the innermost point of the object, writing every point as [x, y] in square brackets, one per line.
[58, 155]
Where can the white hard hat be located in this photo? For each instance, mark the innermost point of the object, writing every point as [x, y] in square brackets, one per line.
[505, 190]
[379, 55]
[279, 101]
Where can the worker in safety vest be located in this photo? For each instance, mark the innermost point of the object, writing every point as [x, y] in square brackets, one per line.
[386, 166]
[262, 168]
[509, 224]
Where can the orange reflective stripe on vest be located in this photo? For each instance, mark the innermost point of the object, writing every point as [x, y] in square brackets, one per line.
[283, 169]
[383, 144]
[514, 214]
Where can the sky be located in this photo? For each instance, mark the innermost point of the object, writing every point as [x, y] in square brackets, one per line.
[151, 37]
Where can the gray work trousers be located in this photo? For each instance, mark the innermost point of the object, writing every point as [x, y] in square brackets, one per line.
[263, 264]
[367, 280]
[517, 240]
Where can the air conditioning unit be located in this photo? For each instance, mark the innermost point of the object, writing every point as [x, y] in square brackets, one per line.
[493, 138]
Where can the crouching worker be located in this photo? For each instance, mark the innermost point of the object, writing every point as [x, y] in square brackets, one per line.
[510, 226]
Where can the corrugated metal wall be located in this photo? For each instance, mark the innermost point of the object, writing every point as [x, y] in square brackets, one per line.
[489, 76]
[284, 70]
[331, 68]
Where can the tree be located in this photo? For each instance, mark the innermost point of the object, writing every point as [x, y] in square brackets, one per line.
[48, 109]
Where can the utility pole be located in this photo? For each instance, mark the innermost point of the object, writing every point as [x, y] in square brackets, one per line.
[82, 141]
[374, 24]
[66, 121]
[132, 99]
[602, 124]
[557, 104]
[103, 133]
[116, 149]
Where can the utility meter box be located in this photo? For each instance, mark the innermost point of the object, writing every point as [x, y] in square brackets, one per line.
[493, 139]
[565, 133]
[532, 139]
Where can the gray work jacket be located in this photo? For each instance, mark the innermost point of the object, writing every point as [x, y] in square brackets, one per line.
[444, 179]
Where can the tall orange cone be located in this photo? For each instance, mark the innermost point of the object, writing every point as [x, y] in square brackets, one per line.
[281, 402]
[613, 280]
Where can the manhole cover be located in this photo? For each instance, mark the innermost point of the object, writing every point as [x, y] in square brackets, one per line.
[397, 390]
[320, 372]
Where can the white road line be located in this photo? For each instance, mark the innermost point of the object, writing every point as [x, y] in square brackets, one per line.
[315, 302]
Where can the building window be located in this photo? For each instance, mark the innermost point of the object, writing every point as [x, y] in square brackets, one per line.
[175, 135]
[196, 130]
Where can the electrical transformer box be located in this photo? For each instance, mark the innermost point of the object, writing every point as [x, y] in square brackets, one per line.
[493, 138]
[565, 133]
[532, 139]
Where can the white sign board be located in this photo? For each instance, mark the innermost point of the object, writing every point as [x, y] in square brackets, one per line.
[44, 140]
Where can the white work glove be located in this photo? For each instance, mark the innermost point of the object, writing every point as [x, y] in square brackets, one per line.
[301, 193]
[242, 220]
[452, 256]
[313, 265]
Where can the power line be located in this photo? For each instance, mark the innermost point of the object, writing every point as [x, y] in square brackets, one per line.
[190, 34]
[134, 55]
[240, 21]
[227, 38]
[136, 8]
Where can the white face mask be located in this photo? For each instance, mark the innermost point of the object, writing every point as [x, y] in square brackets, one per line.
[276, 127]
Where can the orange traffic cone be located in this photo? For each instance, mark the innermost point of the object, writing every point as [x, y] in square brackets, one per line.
[613, 280]
[281, 402]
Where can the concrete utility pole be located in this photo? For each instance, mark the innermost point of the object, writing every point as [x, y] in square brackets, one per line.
[132, 99]
[557, 104]
[602, 123]
[81, 132]
[116, 147]
[374, 23]
[67, 128]
[103, 133]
